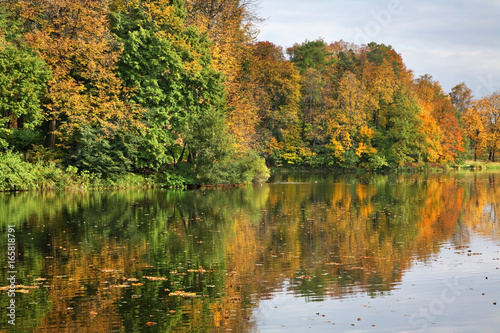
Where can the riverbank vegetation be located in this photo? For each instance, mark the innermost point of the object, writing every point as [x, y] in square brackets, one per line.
[182, 92]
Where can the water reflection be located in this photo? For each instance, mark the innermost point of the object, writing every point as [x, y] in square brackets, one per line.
[218, 260]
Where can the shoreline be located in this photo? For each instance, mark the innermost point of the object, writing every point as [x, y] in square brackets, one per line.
[53, 177]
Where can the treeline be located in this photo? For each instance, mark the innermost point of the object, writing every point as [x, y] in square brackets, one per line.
[109, 87]
[182, 89]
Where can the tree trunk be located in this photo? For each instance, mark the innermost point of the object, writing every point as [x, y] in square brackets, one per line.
[51, 135]
[20, 122]
[182, 153]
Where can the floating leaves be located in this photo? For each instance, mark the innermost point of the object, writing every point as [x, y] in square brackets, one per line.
[155, 278]
[20, 288]
[200, 270]
[120, 286]
[182, 294]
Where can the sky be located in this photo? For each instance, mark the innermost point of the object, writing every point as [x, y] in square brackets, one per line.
[452, 40]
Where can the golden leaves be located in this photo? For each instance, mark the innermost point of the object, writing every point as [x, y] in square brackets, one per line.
[74, 39]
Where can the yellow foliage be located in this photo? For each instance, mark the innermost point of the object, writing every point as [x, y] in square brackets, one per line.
[433, 133]
[73, 38]
[365, 149]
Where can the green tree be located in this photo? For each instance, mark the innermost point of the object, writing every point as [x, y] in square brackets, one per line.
[167, 65]
[461, 98]
[310, 54]
[23, 78]
[403, 139]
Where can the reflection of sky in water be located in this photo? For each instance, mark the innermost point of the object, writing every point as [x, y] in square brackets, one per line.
[441, 294]
[490, 211]
[299, 255]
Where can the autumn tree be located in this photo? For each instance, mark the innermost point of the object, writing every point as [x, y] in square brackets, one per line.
[86, 108]
[381, 80]
[74, 39]
[230, 25]
[167, 65]
[350, 116]
[431, 93]
[315, 62]
[461, 98]
[489, 107]
[476, 126]
[277, 94]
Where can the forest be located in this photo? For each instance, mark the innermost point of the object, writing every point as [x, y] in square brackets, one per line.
[174, 92]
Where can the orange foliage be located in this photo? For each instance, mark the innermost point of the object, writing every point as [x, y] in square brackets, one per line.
[74, 39]
[438, 106]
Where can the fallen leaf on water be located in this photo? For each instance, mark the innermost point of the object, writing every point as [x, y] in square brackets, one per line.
[154, 278]
[182, 293]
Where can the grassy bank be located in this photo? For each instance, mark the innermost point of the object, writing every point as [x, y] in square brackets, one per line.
[480, 165]
[17, 174]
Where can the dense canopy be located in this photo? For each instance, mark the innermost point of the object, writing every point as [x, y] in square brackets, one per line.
[185, 90]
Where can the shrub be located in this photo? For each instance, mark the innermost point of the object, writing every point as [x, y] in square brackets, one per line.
[16, 174]
[23, 139]
[107, 156]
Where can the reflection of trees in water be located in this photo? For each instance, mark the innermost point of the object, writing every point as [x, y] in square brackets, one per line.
[323, 239]
[357, 237]
[481, 214]
[85, 288]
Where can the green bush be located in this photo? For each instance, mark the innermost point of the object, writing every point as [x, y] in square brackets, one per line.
[377, 162]
[106, 156]
[16, 174]
[231, 170]
[24, 139]
[173, 180]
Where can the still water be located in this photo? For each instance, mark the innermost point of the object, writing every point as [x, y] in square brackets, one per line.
[304, 253]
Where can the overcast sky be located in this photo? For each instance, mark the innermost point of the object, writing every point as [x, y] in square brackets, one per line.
[453, 40]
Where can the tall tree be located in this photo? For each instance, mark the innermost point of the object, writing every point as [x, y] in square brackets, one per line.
[461, 98]
[23, 78]
[276, 92]
[315, 62]
[168, 67]
[74, 39]
[475, 121]
[230, 25]
[491, 110]
[277, 89]
[430, 92]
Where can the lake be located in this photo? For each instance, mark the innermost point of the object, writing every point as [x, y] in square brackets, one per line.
[303, 253]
